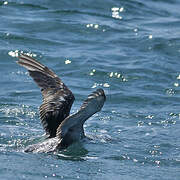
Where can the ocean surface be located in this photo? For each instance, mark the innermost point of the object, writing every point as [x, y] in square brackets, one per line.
[131, 49]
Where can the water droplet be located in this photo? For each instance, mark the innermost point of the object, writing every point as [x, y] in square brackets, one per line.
[121, 9]
[95, 85]
[157, 162]
[111, 74]
[118, 76]
[67, 61]
[150, 36]
[96, 26]
[135, 160]
[106, 85]
[178, 76]
[114, 9]
[176, 84]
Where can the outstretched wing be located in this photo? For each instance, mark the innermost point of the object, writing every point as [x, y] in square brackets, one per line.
[72, 127]
[57, 98]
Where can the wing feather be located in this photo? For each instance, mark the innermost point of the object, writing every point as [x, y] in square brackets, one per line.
[91, 105]
[57, 98]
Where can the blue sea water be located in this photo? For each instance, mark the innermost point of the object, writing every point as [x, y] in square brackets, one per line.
[131, 49]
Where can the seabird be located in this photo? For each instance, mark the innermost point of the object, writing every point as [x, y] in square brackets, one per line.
[61, 128]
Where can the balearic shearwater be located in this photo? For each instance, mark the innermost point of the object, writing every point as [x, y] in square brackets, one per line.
[61, 128]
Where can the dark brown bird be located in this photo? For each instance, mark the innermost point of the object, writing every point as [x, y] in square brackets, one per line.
[61, 128]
